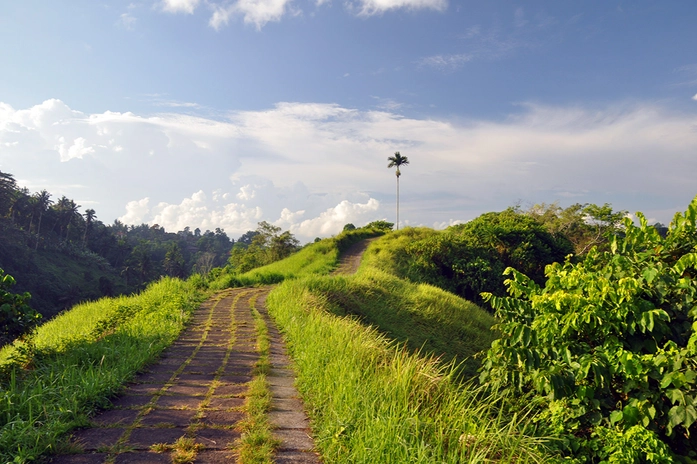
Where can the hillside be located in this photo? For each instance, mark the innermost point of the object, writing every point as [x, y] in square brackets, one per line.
[395, 369]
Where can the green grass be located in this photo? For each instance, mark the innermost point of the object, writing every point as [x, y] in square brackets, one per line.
[318, 258]
[425, 318]
[389, 254]
[74, 363]
[371, 400]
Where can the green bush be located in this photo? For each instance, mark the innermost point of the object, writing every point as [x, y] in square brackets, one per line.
[609, 344]
[469, 259]
[16, 316]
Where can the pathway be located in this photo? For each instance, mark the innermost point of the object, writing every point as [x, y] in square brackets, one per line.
[192, 400]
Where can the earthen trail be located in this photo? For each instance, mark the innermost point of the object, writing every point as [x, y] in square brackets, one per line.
[196, 391]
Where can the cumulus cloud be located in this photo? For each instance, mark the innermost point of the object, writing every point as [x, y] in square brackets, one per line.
[373, 7]
[332, 220]
[136, 211]
[78, 149]
[695, 97]
[179, 6]
[314, 167]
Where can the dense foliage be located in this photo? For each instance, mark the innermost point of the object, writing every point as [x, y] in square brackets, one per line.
[608, 347]
[62, 256]
[268, 244]
[16, 317]
[470, 258]
[584, 225]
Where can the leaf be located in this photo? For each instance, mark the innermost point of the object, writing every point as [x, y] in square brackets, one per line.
[690, 416]
[616, 416]
[675, 395]
[650, 274]
[676, 416]
[631, 415]
[688, 260]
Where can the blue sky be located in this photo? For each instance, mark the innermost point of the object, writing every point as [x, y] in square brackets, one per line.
[224, 113]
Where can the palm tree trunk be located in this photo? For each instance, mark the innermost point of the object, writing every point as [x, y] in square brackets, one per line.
[38, 232]
[397, 202]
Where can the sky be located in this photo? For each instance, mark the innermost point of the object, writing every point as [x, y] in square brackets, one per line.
[224, 113]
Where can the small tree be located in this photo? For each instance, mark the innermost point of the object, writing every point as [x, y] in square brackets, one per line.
[16, 317]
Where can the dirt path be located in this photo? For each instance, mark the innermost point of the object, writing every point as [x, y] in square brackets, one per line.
[195, 395]
[351, 258]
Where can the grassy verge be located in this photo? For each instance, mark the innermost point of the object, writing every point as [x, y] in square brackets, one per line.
[426, 319]
[372, 401]
[75, 362]
[257, 443]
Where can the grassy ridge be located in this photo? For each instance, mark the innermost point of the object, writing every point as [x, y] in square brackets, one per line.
[425, 318]
[318, 258]
[74, 363]
[372, 401]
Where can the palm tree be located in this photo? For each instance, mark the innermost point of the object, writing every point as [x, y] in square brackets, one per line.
[397, 160]
[43, 201]
[90, 214]
[7, 191]
[72, 214]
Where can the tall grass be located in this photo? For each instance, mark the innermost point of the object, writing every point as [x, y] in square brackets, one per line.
[75, 362]
[370, 400]
[425, 318]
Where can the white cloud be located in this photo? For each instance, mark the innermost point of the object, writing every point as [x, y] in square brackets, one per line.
[246, 193]
[199, 211]
[78, 149]
[373, 7]
[136, 211]
[695, 97]
[257, 12]
[179, 6]
[332, 221]
[324, 159]
[445, 224]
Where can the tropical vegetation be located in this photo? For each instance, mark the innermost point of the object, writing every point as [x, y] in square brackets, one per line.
[587, 353]
[607, 347]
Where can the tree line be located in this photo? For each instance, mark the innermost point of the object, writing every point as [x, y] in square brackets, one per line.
[63, 255]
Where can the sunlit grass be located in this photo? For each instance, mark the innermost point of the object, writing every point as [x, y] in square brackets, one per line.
[77, 361]
[257, 443]
[318, 258]
[373, 401]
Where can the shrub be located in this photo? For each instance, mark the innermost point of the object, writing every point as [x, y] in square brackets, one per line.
[470, 258]
[16, 317]
[610, 344]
